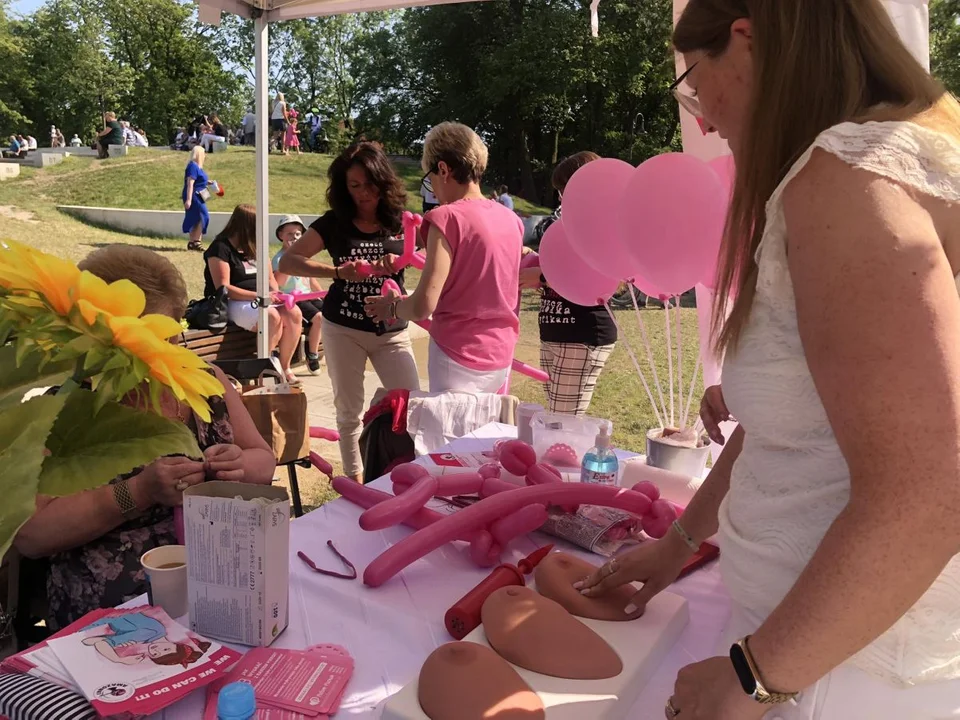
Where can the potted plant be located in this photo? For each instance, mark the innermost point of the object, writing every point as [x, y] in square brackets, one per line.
[66, 328]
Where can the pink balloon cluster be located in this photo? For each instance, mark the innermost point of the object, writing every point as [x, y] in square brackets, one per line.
[658, 225]
[506, 511]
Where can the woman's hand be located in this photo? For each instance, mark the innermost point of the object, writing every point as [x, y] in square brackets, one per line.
[710, 690]
[187, 203]
[382, 309]
[713, 411]
[349, 272]
[388, 264]
[530, 278]
[224, 462]
[656, 564]
[163, 481]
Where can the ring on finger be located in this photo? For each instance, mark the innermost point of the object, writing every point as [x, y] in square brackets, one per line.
[182, 485]
[671, 710]
[612, 567]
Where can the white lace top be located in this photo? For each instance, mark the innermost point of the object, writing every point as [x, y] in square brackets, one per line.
[791, 480]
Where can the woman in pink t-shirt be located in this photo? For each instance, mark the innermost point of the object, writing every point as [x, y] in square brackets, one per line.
[470, 281]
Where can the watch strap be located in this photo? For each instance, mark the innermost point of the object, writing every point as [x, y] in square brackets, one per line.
[124, 499]
[749, 675]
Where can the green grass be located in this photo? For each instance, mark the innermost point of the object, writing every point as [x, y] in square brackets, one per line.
[152, 179]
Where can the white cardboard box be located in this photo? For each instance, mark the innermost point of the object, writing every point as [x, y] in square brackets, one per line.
[238, 561]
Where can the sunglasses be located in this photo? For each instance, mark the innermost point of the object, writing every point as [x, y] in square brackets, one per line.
[685, 96]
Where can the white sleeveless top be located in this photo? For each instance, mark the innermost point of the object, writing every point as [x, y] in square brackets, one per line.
[791, 480]
[277, 111]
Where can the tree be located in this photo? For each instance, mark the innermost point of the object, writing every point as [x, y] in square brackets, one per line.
[15, 83]
[945, 42]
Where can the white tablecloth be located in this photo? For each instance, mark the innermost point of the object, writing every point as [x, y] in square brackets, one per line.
[392, 629]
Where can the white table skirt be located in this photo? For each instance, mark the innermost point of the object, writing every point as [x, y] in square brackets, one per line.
[392, 629]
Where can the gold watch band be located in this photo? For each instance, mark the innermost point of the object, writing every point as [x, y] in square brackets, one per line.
[124, 500]
[762, 695]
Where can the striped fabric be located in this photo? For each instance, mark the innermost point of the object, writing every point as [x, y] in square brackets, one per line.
[573, 370]
[24, 697]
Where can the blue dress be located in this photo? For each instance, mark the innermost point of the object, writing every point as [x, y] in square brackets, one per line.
[198, 208]
[135, 628]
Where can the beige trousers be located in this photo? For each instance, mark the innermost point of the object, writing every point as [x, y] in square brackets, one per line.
[347, 352]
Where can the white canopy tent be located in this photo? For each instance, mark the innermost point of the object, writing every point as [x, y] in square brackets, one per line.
[911, 17]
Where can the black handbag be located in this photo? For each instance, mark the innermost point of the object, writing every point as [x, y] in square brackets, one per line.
[209, 313]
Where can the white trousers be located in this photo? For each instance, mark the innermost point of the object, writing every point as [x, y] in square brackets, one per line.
[848, 693]
[447, 375]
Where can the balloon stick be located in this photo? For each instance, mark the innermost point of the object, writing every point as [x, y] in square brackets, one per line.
[693, 384]
[679, 363]
[646, 343]
[666, 311]
[636, 365]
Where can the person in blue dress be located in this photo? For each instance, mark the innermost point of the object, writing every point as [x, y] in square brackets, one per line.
[130, 632]
[195, 217]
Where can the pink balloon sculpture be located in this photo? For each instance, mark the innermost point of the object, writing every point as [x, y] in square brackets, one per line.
[591, 206]
[291, 299]
[671, 220]
[506, 511]
[568, 275]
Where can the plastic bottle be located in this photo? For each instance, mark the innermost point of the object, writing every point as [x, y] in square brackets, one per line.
[236, 702]
[600, 465]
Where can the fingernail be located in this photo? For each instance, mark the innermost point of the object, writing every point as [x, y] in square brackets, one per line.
[578, 584]
[630, 609]
[585, 591]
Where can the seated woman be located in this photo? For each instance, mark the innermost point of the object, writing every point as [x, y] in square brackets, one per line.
[470, 281]
[95, 538]
[232, 263]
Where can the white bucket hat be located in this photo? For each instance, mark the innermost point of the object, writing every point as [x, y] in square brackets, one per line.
[290, 220]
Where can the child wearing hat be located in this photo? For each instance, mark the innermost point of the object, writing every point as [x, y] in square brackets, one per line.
[288, 232]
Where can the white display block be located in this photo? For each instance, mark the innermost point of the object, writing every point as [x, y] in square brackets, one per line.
[641, 644]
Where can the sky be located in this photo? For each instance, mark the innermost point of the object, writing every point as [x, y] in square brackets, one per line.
[25, 7]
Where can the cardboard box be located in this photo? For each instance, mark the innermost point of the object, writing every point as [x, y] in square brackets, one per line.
[238, 561]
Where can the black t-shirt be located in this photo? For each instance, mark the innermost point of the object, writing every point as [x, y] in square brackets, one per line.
[243, 269]
[219, 130]
[561, 321]
[344, 303]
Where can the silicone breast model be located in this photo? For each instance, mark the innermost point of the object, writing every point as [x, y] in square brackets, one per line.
[466, 681]
[537, 634]
[555, 576]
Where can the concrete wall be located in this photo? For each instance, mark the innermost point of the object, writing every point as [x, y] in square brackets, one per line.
[158, 223]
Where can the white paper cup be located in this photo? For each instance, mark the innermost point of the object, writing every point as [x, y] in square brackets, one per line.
[168, 585]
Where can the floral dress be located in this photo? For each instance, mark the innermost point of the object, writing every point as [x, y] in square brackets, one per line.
[106, 572]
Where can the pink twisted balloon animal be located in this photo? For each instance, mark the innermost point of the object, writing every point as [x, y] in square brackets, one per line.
[506, 511]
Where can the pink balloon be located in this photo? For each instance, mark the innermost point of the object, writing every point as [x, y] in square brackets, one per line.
[648, 489]
[494, 485]
[408, 473]
[389, 285]
[543, 474]
[324, 434]
[399, 507]
[321, 464]
[591, 203]
[568, 274]
[671, 218]
[523, 521]
[530, 260]
[489, 470]
[517, 457]
[726, 170]
[530, 372]
[418, 260]
[657, 523]
[367, 497]
[478, 515]
[483, 550]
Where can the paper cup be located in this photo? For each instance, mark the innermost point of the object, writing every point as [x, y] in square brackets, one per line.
[166, 569]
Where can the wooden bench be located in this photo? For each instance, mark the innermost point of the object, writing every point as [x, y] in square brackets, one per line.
[232, 344]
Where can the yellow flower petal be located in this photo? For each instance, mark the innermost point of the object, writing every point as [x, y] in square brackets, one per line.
[162, 326]
[94, 297]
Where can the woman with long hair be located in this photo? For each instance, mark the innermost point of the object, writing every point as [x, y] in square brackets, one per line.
[231, 262]
[367, 200]
[196, 217]
[278, 122]
[836, 500]
[470, 281]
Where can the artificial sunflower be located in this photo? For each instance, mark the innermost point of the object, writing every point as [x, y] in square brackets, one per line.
[26, 270]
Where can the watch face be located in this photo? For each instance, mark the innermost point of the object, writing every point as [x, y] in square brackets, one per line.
[742, 667]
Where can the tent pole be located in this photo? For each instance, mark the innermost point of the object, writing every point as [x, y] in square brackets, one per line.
[261, 43]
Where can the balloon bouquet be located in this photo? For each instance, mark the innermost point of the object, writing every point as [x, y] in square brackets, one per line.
[657, 228]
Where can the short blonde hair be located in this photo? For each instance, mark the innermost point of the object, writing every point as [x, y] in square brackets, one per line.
[108, 116]
[161, 282]
[197, 155]
[459, 147]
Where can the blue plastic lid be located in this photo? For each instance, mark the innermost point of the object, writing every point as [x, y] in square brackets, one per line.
[236, 702]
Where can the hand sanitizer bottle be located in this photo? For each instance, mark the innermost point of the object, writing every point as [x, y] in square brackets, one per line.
[600, 464]
[236, 702]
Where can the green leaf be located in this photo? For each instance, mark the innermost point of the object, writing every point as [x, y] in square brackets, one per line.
[23, 433]
[88, 448]
[16, 380]
[78, 347]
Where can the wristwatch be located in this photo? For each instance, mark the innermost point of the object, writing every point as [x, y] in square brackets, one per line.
[124, 500]
[750, 679]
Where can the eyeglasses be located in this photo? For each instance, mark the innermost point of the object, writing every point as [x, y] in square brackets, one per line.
[685, 95]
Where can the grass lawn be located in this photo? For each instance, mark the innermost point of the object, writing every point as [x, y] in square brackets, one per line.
[152, 179]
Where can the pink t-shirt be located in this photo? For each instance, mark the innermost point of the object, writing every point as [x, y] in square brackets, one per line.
[475, 322]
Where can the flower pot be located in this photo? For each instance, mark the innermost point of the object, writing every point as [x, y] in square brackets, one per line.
[688, 461]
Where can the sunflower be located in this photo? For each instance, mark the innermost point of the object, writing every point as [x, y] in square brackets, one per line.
[26, 270]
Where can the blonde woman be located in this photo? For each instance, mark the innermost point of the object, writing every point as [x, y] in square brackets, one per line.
[837, 499]
[112, 134]
[278, 121]
[470, 282]
[196, 217]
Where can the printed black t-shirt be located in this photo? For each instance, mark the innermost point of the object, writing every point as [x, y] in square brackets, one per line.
[562, 321]
[344, 303]
[243, 269]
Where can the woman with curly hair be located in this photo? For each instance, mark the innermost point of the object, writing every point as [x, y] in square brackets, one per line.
[367, 200]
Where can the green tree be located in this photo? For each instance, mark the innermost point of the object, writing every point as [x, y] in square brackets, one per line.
[15, 84]
[945, 42]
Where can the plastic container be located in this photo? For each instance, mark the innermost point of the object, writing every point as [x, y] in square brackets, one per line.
[525, 414]
[600, 465]
[563, 440]
[236, 701]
